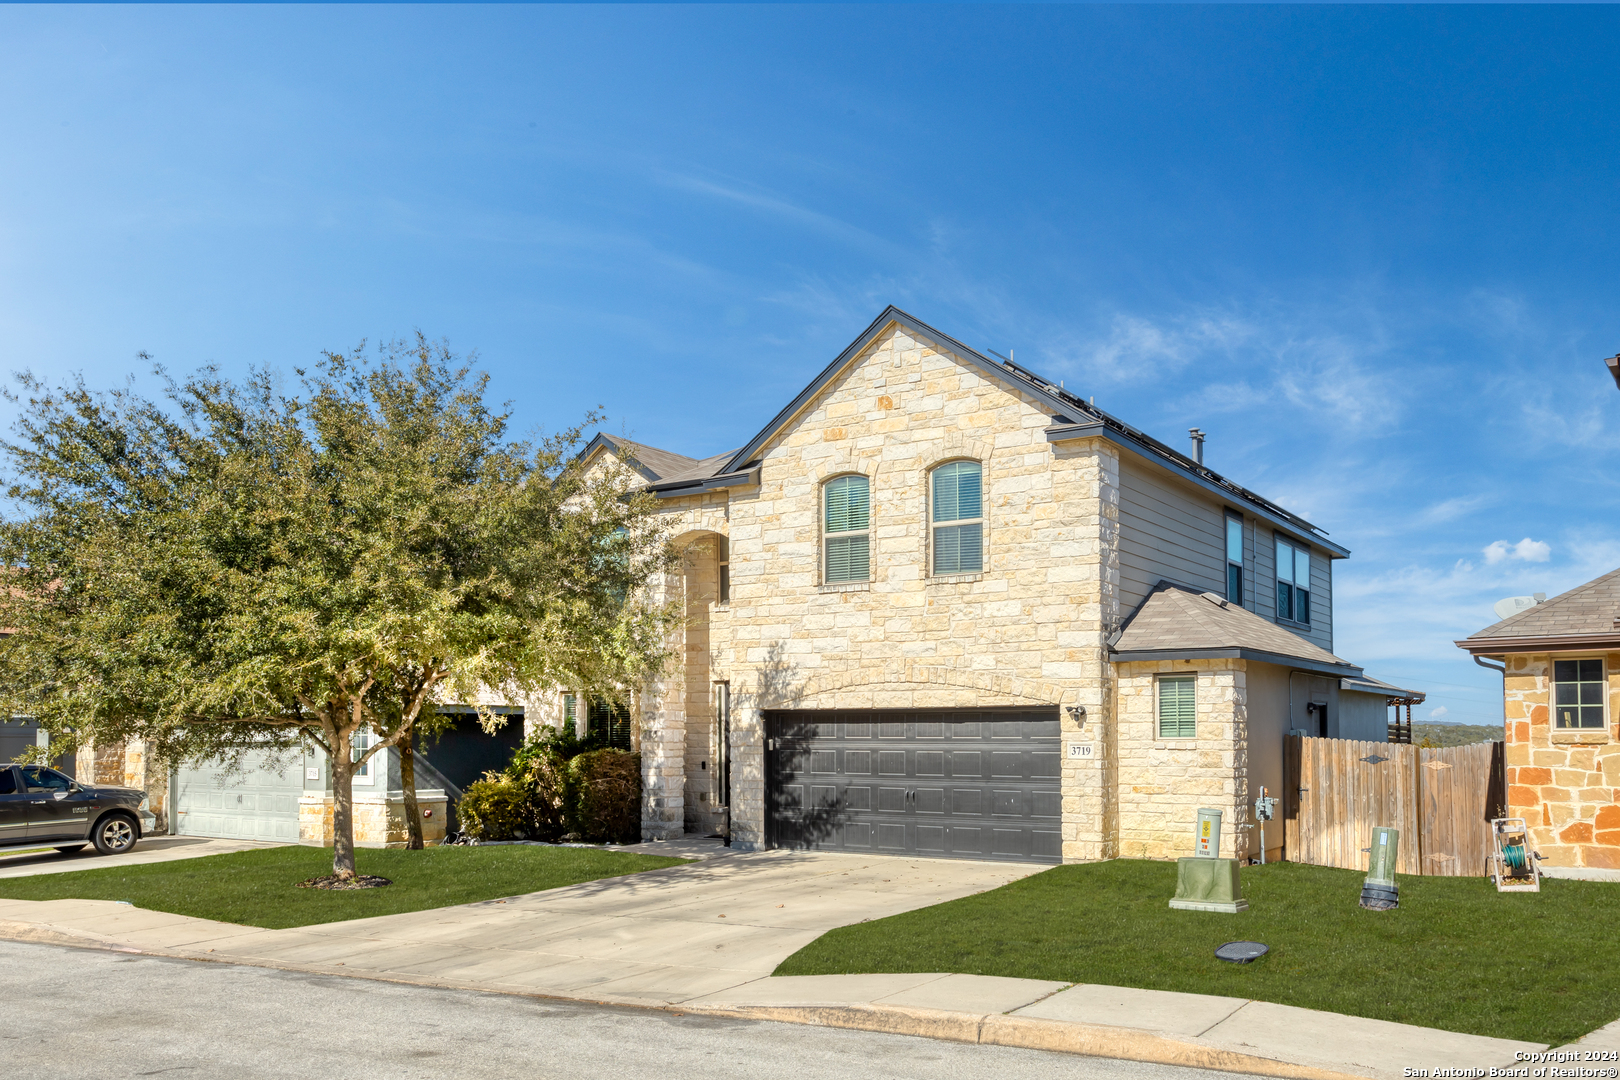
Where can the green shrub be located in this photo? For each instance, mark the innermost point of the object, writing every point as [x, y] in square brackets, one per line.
[554, 789]
[547, 781]
[495, 808]
[604, 798]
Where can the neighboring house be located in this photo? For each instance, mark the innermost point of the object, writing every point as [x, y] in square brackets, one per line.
[1561, 687]
[940, 606]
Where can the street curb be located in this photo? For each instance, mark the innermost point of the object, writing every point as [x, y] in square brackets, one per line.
[990, 1029]
[1029, 1033]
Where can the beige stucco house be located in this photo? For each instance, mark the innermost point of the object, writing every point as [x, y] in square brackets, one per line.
[940, 606]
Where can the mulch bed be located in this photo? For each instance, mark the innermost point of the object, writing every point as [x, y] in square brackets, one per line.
[332, 881]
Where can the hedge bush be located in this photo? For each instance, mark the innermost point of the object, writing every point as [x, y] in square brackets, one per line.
[554, 789]
[495, 808]
[605, 807]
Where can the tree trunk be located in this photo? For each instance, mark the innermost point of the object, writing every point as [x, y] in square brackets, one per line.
[342, 808]
[407, 780]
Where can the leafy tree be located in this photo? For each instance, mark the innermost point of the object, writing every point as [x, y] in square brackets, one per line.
[231, 568]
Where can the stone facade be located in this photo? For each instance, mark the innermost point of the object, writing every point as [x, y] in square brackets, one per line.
[1564, 783]
[125, 764]
[1031, 629]
[1163, 783]
[379, 820]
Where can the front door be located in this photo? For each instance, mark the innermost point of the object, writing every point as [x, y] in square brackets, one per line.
[13, 807]
[57, 812]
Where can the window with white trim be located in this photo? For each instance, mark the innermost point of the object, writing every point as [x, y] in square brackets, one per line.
[1293, 582]
[1178, 707]
[958, 518]
[846, 534]
[362, 741]
[1234, 559]
[1578, 692]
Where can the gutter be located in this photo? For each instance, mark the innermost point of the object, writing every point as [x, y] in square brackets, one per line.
[678, 488]
[1298, 663]
[1548, 643]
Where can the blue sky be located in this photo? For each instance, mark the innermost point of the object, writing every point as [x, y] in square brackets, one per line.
[1371, 251]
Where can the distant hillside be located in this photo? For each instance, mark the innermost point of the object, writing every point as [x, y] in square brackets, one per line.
[1455, 734]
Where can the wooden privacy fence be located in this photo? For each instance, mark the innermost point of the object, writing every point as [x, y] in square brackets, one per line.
[1336, 791]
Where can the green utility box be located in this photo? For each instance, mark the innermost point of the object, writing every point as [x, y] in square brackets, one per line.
[1207, 882]
[1378, 892]
[1209, 885]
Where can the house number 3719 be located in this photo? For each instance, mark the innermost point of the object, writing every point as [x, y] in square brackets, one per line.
[1080, 749]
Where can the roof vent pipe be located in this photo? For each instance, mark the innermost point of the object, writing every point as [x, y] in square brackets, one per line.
[1197, 444]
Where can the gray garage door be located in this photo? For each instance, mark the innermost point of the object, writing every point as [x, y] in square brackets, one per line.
[955, 783]
[256, 803]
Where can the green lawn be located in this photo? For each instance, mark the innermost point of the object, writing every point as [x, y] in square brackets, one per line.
[258, 888]
[1543, 967]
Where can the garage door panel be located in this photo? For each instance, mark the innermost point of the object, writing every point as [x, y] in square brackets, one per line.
[946, 776]
[252, 803]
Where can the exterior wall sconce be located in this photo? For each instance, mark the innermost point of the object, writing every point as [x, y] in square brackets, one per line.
[1077, 713]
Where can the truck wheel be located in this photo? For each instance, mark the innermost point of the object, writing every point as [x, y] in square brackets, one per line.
[114, 835]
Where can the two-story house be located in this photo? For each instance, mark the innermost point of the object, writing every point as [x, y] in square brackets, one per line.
[940, 606]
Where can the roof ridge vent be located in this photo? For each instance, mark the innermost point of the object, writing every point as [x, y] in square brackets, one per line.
[1214, 598]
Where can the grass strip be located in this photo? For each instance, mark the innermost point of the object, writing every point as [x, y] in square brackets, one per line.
[258, 887]
[1542, 967]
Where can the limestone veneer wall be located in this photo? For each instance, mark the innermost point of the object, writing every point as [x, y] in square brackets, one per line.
[1565, 784]
[379, 819]
[127, 764]
[1033, 623]
[1164, 782]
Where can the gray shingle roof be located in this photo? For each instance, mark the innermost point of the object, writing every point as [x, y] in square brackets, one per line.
[661, 464]
[1176, 619]
[1586, 610]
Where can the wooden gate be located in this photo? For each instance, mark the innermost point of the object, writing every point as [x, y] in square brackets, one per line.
[1441, 799]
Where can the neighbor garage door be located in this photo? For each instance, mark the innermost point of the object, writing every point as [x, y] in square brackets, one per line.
[957, 783]
[256, 803]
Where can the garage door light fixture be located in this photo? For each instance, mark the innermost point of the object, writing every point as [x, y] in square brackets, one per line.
[1077, 713]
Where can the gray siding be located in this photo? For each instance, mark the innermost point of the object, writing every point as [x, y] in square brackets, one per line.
[1171, 531]
[1167, 532]
[1265, 582]
[1363, 716]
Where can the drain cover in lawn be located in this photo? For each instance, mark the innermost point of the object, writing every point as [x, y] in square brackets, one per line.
[1241, 952]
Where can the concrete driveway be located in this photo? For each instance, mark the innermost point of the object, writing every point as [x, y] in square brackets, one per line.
[659, 937]
[151, 849]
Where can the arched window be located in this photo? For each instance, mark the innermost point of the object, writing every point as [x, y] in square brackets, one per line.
[846, 537]
[958, 519]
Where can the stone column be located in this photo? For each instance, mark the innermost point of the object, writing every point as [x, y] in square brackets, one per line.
[747, 776]
[1089, 493]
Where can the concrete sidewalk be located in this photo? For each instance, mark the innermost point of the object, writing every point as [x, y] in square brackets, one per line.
[705, 937]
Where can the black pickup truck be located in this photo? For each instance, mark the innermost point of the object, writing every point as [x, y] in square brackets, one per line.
[40, 807]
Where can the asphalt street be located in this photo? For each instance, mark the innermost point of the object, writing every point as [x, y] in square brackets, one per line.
[73, 1013]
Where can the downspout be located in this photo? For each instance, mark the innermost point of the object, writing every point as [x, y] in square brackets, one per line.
[1502, 671]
